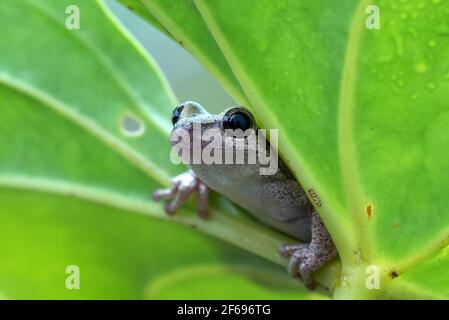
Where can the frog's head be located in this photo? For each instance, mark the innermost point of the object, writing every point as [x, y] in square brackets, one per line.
[188, 113]
[231, 118]
[190, 118]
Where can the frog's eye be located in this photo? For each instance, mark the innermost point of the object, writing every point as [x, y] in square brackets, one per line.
[176, 114]
[238, 118]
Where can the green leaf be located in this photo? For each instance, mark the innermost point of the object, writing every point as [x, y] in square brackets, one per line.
[139, 9]
[292, 80]
[367, 106]
[187, 27]
[362, 122]
[181, 21]
[222, 283]
[118, 253]
[85, 118]
[394, 121]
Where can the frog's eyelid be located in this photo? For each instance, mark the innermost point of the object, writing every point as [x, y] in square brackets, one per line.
[177, 113]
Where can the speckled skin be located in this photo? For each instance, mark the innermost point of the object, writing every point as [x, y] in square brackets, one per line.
[277, 200]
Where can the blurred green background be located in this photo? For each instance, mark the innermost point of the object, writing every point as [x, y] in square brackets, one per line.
[188, 78]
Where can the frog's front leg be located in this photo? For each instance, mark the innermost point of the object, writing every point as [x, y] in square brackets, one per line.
[307, 258]
[182, 187]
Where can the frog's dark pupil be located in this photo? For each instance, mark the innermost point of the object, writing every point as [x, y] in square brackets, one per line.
[176, 114]
[237, 120]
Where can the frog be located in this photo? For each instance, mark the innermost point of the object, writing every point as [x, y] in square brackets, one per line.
[276, 200]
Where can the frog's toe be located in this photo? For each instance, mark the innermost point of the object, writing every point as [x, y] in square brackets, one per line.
[169, 209]
[287, 250]
[203, 213]
[303, 262]
[163, 194]
[293, 267]
[183, 186]
[203, 200]
[181, 196]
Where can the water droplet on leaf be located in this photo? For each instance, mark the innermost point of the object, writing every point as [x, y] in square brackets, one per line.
[421, 68]
[431, 86]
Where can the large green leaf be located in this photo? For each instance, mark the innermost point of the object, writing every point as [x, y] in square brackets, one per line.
[73, 174]
[365, 105]
[187, 27]
[293, 89]
[120, 255]
[362, 122]
[396, 127]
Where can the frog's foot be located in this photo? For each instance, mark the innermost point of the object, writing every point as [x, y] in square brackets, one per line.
[182, 187]
[307, 258]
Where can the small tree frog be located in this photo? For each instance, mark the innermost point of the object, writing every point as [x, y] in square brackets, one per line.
[276, 200]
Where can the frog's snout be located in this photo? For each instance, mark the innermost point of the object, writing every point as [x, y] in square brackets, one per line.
[186, 110]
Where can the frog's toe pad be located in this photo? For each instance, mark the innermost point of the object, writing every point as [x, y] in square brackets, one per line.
[303, 262]
[163, 194]
[182, 187]
[287, 250]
